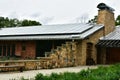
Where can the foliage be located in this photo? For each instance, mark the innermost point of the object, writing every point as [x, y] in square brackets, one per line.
[101, 73]
[94, 20]
[117, 21]
[6, 22]
[29, 23]
[39, 77]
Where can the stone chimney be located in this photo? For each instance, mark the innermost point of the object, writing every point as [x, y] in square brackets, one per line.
[106, 17]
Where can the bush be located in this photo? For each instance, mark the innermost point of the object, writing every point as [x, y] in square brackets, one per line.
[101, 73]
[39, 77]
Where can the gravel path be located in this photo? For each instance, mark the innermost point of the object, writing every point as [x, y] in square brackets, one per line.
[32, 73]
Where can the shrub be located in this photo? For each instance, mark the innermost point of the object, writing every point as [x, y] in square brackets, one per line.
[39, 76]
[101, 73]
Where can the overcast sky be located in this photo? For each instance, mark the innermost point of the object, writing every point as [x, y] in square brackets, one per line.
[54, 11]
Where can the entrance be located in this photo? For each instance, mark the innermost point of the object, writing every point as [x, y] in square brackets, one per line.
[113, 55]
[89, 59]
[43, 46]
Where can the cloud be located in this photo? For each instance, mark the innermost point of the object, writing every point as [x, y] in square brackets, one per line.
[41, 18]
[83, 18]
[70, 11]
[46, 20]
[35, 15]
[13, 15]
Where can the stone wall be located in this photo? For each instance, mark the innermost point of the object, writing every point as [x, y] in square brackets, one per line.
[106, 17]
[79, 52]
[81, 48]
[28, 64]
[64, 55]
[75, 53]
[94, 39]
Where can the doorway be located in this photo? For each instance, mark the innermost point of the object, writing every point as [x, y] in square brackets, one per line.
[89, 59]
[43, 46]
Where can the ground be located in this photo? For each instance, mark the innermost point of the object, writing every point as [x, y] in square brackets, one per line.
[31, 74]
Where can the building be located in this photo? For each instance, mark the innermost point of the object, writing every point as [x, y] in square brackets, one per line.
[109, 48]
[66, 44]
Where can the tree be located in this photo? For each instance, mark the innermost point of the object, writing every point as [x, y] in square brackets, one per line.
[29, 23]
[94, 20]
[6, 22]
[2, 21]
[25, 23]
[117, 21]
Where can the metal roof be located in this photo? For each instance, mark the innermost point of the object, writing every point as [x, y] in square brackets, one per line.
[110, 40]
[115, 35]
[62, 31]
[108, 43]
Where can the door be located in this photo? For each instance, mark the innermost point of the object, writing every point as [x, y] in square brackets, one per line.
[89, 59]
[113, 55]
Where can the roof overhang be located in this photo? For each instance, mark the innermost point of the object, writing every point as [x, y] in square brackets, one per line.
[108, 43]
[41, 37]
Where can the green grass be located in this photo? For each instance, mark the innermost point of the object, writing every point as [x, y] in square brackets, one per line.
[101, 73]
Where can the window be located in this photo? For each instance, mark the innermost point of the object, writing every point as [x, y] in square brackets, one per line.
[13, 50]
[0, 50]
[4, 50]
[7, 50]
[23, 46]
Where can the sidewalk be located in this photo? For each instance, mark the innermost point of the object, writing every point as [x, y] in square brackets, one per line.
[32, 73]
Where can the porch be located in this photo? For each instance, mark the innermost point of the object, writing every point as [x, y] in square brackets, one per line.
[108, 52]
